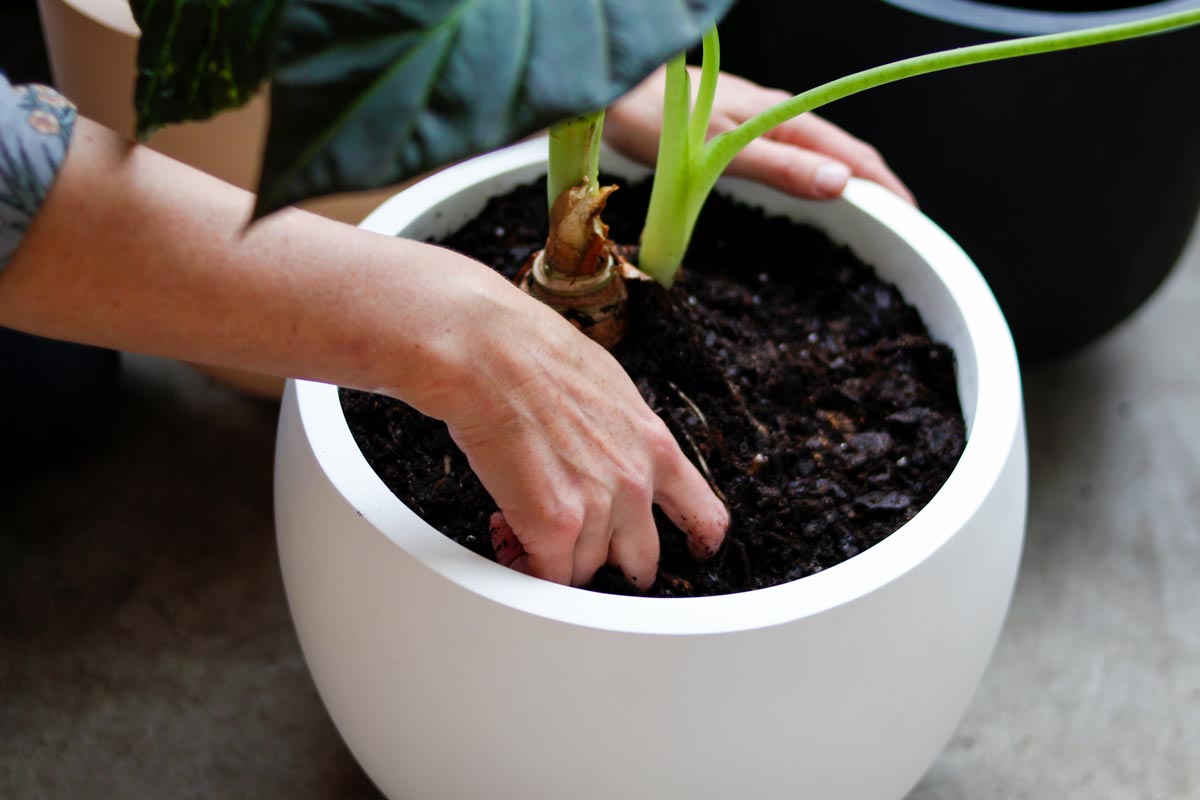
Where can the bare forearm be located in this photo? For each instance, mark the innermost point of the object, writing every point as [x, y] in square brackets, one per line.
[135, 251]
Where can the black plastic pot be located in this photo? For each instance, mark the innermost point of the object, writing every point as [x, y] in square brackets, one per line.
[52, 397]
[1072, 179]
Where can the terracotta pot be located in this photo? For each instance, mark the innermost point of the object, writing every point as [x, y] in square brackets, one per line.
[451, 676]
[1072, 179]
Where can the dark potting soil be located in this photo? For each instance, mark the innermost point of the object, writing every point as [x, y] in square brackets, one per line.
[825, 414]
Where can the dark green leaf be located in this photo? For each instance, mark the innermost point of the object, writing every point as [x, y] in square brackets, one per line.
[197, 58]
[368, 92]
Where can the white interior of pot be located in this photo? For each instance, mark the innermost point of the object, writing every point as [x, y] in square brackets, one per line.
[973, 326]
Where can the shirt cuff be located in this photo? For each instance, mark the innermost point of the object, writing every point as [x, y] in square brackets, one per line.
[36, 123]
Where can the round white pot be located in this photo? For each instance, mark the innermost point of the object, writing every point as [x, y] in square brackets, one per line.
[450, 676]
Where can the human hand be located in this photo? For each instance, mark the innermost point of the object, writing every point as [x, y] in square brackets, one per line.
[551, 424]
[806, 156]
[572, 455]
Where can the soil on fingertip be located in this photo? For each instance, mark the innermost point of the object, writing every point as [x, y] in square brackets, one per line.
[822, 410]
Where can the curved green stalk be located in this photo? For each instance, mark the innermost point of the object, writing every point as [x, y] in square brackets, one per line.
[574, 153]
[707, 163]
[726, 147]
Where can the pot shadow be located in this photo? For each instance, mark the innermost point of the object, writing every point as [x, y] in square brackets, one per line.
[1089, 691]
[1077, 420]
[146, 647]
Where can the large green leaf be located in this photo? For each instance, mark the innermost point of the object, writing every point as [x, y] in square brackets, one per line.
[368, 92]
[197, 58]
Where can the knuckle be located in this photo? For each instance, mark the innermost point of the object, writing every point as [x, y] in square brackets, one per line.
[634, 486]
[784, 159]
[867, 153]
[660, 441]
[794, 176]
[562, 521]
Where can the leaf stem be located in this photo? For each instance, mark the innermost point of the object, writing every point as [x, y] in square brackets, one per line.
[574, 154]
[724, 148]
[669, 229]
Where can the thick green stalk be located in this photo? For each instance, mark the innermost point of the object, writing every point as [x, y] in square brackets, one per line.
[661, 252]
[707, 164]
[574, 153]
[575, 272]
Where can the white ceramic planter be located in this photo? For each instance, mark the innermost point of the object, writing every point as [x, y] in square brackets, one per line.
[452, 677]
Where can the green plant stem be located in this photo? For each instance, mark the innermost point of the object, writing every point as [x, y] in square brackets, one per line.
[709, 71]
[574, 154]
[672, 179]
[725, 148]
[708, 162]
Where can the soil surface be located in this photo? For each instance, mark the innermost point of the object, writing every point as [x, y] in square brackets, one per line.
[825, 414]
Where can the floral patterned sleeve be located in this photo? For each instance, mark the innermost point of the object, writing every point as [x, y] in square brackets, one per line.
[35, 128]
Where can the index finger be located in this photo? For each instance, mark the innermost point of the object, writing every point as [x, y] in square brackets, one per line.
[691, 504]
[814, 133]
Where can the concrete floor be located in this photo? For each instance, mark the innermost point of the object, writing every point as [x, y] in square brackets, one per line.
[146, 649]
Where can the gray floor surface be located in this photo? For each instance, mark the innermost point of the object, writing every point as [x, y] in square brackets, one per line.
[146, 649]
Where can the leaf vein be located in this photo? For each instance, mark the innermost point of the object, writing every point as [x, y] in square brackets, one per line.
[451, 23]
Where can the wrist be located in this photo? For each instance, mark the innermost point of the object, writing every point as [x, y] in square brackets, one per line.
[459, 346]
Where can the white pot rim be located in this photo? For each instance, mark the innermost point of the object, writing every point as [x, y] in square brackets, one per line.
[993, 424]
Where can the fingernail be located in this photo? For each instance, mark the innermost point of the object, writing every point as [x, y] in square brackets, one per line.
[830, 179]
